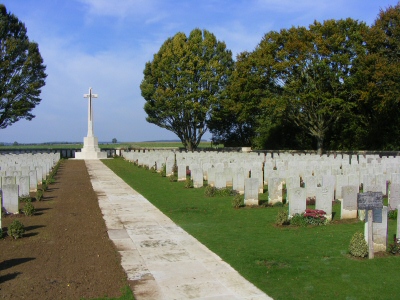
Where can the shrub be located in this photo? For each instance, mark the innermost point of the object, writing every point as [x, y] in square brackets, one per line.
[163, 171]
[224, 192]
[1, 233]
[16, 229]
[210, 191]
[173, 178]
[39, 195]
[394, 247]
[392, 214]
[175, 169]
[237, 201]
[28, 209]
[282, 217]
[153, 169]
[188, 183]
[25, 199]
[277, 204]
[146, 167]
[358, 246]
[298, 220]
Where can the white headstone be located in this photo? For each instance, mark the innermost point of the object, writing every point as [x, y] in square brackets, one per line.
[324, 197]
[297, 200]
[10, 197]
[251, 191]
[349, 202]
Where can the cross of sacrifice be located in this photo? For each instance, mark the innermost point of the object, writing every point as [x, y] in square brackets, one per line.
[90, 111]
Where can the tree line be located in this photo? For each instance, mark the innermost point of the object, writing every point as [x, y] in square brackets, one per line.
[332, 85]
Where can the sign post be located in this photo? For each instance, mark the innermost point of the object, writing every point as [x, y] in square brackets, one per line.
[370, 201]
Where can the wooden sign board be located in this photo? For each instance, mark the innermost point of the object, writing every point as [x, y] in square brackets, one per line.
[370, 200]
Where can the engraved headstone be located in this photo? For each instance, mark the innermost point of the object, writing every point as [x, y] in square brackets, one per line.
[349, 202]
[238, 181]
[10, 197]
[275, 190]
[251, 191]
[197, 176]
[324, 197]
[394, 195]
[297, 200]
[23, 186]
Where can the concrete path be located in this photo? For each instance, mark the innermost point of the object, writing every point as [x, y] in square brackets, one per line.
[163, 260]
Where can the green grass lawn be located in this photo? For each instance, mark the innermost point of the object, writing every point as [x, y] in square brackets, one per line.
[284, 262]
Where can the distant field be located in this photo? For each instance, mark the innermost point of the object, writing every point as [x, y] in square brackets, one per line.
[110, 145]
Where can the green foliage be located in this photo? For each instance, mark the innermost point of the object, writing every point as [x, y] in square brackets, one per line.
[237, 201]
[163, 171]
[25, 199]
[210, 191]
[188, 183]
[146, 167]
[185, 80]
[278, 204]
[28, 209]
[298, 220]
[378, 84]
[22, 71]
[358, 246]
[1, 233]
[173, 178]
[394, 248]
[39, 195]
[392, 214]
[16, 229]
[175, 169]
[282, 218]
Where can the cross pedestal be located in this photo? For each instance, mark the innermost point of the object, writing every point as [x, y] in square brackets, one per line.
[90, 148]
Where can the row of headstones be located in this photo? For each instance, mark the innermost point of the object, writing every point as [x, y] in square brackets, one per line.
[324, 188]
[223, 174]
[294, 167]
[20, 179]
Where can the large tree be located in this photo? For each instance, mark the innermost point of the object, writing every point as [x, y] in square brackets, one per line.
[185, 80]
[313, 67]
[22, 72]
[379, 82]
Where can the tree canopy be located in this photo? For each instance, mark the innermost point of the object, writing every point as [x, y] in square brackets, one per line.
[301, 75]
[184, 81]
[22, 71]
[332, 84]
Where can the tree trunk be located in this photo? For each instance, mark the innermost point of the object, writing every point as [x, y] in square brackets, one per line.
[320, 144]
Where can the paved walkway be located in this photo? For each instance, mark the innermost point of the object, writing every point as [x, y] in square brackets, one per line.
[164, 260]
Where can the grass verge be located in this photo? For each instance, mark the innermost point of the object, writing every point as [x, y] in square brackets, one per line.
[284, 262]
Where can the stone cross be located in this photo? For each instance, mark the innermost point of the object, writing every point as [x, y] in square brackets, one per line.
[90, 111]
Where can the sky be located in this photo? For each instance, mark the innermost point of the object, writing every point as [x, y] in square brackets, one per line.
[104, 44]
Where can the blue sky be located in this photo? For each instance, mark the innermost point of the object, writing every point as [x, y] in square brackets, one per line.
[104, 44]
